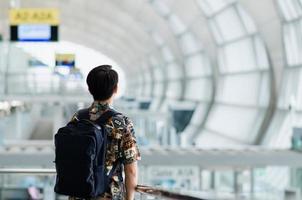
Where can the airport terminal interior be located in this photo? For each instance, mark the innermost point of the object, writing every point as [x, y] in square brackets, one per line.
[212, 87]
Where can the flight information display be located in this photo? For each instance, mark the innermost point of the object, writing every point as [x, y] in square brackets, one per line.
[34, 24]
[34, 33]
[65, 60]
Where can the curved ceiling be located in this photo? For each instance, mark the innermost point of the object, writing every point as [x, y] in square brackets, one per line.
[186, 51]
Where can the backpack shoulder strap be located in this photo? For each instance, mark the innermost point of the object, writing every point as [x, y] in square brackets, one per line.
[84, 114]
[106, 115]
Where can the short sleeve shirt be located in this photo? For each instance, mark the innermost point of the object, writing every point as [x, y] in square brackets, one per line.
[121, 145]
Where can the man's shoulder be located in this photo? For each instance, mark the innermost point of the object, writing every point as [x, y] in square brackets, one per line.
[120, 120]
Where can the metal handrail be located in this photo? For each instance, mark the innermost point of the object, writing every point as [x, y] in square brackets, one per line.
[156, 192]
[142, 189]
[27, 171]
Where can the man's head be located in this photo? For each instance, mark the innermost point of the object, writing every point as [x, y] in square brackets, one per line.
[102, 82]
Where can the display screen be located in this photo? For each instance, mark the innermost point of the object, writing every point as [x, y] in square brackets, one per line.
[34, 32]
[181, 118]
[65, 60]
[34, 24]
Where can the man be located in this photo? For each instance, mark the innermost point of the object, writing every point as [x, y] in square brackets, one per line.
[102, 83]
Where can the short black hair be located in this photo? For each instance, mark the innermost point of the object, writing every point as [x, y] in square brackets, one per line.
[102, 81]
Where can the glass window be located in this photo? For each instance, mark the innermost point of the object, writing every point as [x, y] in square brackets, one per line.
[18, 65]
[291, 9]
[161, 7]
[2, 84]
[230, 61]
[189, 44]
[291, 89]
[237, 123]
[139, 80]
[176, 24]
[158, 74]
[158, 89]
[205, 7]
[155, 103]
[167, 54]
[223, 180]
[41, 81]
[17, 84]
[199, 114]
[246, 19]
[280, 131]
[197, 65]
[262, 57]
[164, 106]
[243, 89]
[2, 58]
[147, 77]
[153, 61]
[174, 71]
[216, 32]
[139, 85]
[211, 6]
[239, 89]
[187, 134]
[209, 139]
[293, 43]
[229, 24]
[264, 93]
[147, 90]
[199, 89]
[158, 39]
[174, 89]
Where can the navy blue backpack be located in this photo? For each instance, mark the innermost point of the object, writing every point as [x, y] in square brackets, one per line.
[80, 149]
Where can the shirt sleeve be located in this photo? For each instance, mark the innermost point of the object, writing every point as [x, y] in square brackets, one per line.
[129, 147]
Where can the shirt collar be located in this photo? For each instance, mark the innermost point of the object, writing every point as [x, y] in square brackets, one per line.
[99, 107]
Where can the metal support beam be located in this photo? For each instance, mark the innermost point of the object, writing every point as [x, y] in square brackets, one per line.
[207, 159]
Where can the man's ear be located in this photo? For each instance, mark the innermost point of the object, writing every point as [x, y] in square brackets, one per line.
[115, 89]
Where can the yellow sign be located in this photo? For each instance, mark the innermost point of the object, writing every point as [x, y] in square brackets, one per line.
[65, 57]
[34, 16]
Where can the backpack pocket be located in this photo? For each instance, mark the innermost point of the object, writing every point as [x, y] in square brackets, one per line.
[75, 179]
[75, 156]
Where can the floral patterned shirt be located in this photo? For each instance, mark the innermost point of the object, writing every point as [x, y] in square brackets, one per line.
[121, 145]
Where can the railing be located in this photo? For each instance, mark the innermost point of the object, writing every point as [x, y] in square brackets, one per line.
[27, 171]
[159, 193]
[143, 190]
[41, 84]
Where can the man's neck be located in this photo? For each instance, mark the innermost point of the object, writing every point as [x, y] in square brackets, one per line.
[108, 101]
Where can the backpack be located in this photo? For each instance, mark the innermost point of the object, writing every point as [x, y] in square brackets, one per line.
[80, 149]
